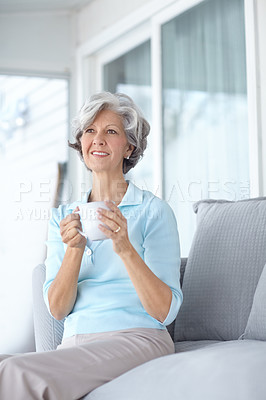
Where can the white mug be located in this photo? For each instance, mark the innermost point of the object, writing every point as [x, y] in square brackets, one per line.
[90, 221]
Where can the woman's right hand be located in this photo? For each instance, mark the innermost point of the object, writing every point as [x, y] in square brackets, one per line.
[62, 293]
[69, 231]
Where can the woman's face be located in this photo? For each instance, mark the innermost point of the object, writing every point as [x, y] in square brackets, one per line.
[104, 143]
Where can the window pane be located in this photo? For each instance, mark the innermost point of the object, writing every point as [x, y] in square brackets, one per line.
[204, 109]
[33, 141]
[131, 74]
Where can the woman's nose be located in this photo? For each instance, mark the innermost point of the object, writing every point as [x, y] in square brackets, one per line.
[99, 139]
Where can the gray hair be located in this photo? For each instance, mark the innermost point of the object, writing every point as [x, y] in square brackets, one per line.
[135, 125]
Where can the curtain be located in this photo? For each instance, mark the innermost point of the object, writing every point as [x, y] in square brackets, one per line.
[204, 109]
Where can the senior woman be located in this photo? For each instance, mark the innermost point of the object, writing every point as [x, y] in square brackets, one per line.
[117, 296]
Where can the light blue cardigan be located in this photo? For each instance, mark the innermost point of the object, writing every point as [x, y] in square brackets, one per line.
[106, 298]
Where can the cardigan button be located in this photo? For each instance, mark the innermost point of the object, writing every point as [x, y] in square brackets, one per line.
[89, 252]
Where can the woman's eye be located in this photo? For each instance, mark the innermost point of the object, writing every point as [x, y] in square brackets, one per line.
[89, 130]
[112, 131]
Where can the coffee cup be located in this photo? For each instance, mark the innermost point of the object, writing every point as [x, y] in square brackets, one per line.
[90, 221]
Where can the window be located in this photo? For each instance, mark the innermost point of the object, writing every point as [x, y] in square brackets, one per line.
[33, 142]
[204, 96]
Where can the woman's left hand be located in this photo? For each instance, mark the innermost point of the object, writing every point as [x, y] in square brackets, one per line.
[117, 225]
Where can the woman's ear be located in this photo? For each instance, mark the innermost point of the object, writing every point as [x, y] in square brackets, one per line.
[130, 150]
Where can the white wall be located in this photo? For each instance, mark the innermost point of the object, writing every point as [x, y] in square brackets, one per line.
[36, 42]
[103, 14]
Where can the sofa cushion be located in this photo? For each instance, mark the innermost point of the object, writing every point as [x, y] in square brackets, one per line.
[223, 268]
[229, 370]
[256, 326]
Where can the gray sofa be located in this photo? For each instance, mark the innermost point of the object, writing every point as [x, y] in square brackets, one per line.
[220, 331]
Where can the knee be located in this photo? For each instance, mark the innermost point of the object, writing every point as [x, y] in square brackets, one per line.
[4, 364]
[18, 368]
[7, 367]
[20, 379]
[6, 377]
[15, 379]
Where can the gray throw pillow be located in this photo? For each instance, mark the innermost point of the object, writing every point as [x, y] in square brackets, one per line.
[256, 326]
[223, 268]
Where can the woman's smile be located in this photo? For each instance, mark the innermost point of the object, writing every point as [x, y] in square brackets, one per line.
[99, 154]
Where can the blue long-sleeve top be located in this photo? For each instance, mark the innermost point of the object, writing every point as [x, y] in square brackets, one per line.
[106, 297]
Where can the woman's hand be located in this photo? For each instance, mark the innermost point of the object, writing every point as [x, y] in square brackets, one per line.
[69, 231]
[117, 225]
[62, 293]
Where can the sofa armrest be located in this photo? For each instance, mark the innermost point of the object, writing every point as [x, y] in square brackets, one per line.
[47, 330]
[182, 269]
[171, 327]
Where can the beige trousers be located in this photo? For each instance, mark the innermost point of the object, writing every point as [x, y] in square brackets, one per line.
[80, 364]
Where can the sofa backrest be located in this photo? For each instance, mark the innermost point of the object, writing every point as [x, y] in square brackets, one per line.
[224, 265]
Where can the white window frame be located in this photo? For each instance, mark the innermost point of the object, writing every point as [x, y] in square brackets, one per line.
[144, 24]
